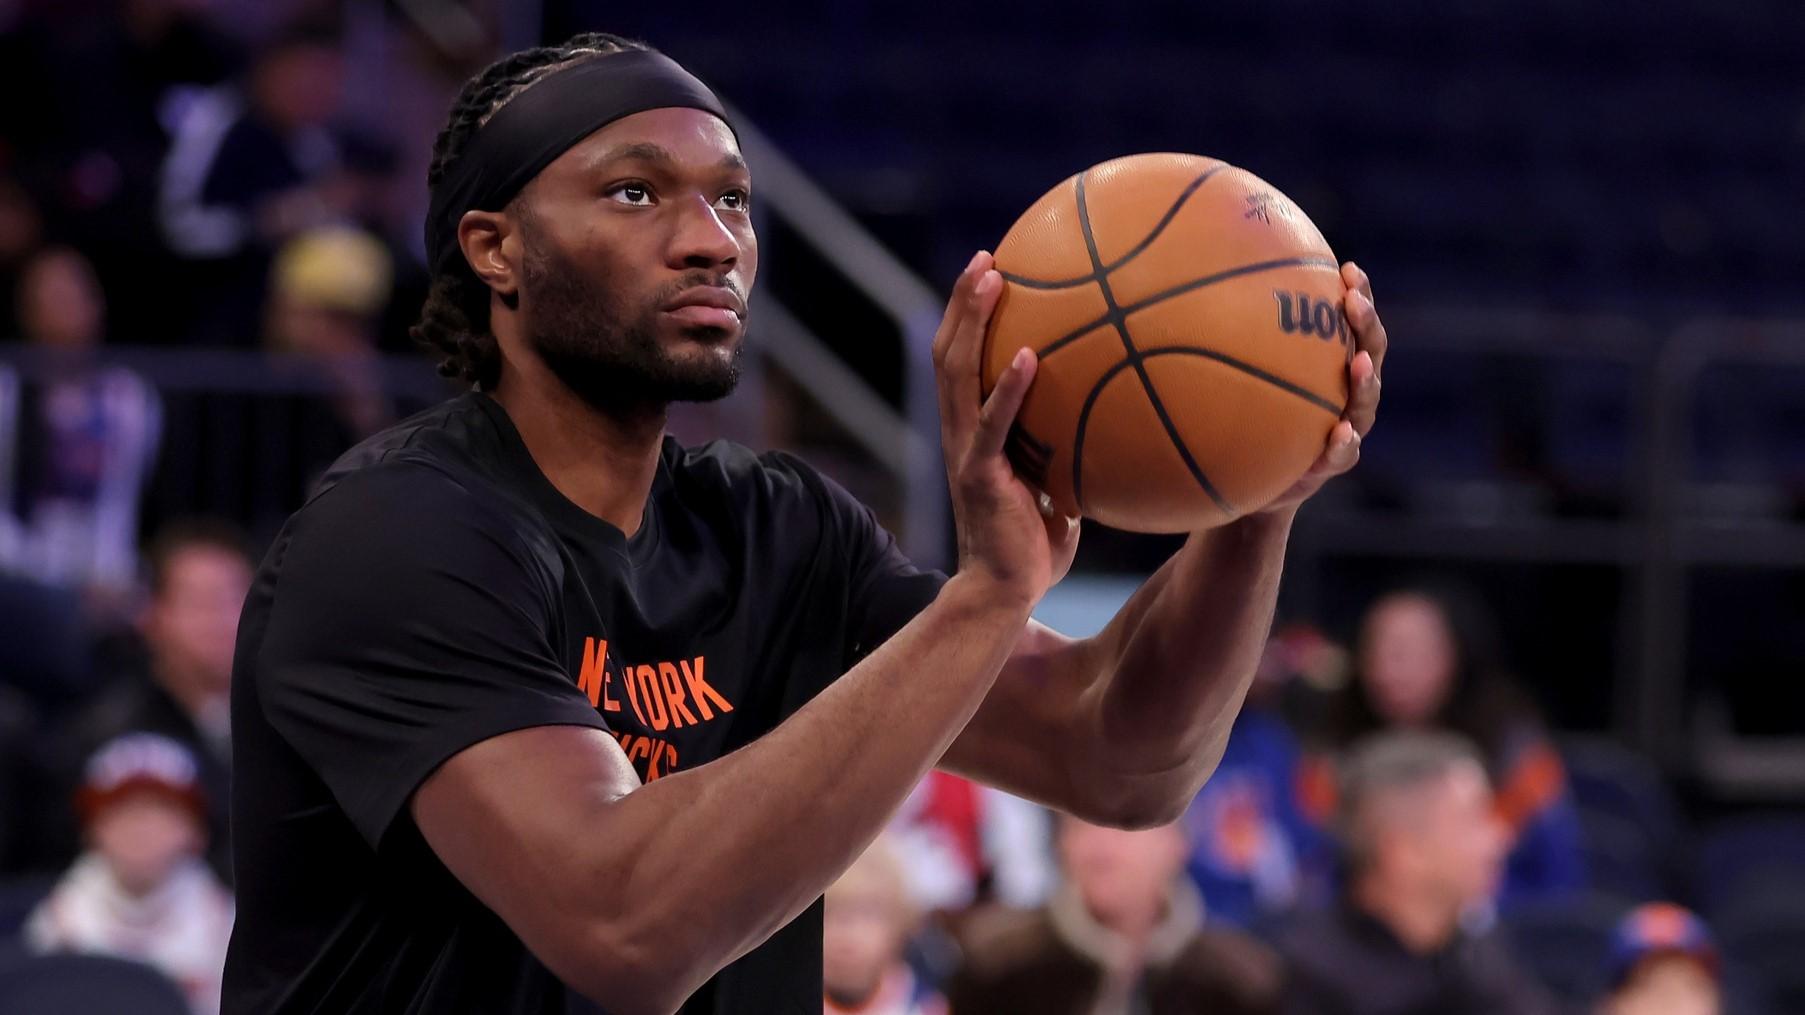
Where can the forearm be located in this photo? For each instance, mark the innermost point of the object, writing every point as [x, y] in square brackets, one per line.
[711, 861]
[1176, 660]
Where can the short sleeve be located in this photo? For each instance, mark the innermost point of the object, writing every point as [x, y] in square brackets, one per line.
[885, 590]
[411, 617]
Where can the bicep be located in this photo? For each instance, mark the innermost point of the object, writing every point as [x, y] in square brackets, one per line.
[517, 819]
[1023, 737]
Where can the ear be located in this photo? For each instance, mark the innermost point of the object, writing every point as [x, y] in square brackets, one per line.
[490, 243]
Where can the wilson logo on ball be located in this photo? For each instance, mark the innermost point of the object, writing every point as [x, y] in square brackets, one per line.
[1301, 315]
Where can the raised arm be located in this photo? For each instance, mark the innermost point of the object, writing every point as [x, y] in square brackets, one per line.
[635, 895]
[1124, 727]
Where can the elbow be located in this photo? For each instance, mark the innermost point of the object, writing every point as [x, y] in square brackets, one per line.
[1131, 802]
[1145, 791]
[626, 973]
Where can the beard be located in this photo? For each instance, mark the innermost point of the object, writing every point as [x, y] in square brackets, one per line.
[606, 349]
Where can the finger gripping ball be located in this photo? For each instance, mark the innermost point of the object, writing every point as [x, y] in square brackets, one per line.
[1193, 350]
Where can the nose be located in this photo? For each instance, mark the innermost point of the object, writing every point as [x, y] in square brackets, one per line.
[702, 239]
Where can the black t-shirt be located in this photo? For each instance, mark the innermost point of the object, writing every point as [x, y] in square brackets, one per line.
[436, 590]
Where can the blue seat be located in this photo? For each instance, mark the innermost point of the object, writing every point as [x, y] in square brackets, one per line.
[86, 985]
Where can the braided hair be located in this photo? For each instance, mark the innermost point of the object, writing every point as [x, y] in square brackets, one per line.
[455, 318]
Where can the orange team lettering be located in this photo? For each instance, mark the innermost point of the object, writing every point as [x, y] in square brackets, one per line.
[647, 679]
[673, 690]
[626, 676]
[667, 756]
[700, 691]
[594, 677]
[638, 748]
[660, 757]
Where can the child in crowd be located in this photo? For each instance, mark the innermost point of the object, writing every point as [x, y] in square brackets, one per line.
[141, 890]
[1663, 962]
[869, 920]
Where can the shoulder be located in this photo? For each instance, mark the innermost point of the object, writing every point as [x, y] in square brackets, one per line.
[418, 496]
[771, 490]
[457, 436]
[770, 475]
[445, 461]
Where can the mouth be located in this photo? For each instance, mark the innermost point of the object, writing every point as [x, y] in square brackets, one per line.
[708, 306]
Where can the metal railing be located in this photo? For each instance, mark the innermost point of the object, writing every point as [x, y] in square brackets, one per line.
[902, 297]
[1654, 541]
[1677, 544]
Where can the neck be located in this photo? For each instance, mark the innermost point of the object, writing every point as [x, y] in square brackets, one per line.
[603, 462]
[1423, 923]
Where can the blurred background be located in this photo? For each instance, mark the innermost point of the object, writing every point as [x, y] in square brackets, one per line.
[1576, 539]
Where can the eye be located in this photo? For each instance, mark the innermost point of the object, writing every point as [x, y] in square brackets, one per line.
[734, 200]
[636, 194]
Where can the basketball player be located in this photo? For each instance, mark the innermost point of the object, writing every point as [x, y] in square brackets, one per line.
[537, 711]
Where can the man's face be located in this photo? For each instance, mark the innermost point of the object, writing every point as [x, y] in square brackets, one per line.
[192, 625]
[1124, 877]
[1458, 843]
[636, 254]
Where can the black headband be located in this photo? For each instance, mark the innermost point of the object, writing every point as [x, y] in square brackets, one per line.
[543, 122]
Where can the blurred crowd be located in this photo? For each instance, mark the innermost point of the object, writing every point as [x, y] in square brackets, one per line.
[186, 176]
[1392, 828]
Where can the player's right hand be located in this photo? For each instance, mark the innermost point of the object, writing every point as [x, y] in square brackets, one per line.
[1003, 536]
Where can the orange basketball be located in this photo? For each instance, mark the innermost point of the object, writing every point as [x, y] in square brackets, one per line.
[1193, 350]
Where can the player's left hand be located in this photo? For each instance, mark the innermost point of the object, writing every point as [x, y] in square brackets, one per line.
[1363, 373]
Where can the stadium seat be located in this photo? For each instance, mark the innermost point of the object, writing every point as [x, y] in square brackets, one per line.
[1763, 930]
[86, 985]
[1567, 943]
[1621, 859]
[18, 897]
[1625, 804]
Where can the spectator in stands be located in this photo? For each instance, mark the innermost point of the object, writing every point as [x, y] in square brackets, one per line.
[250, 166]
[962, 844]
[105, 81]
[140, 891]
[200, 573]
[1125, 933]
[76, 442]
[329, 287]
[866, 927]
[1422, 850]
[1254, 853]
[1427, 659]
[1663, 962]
